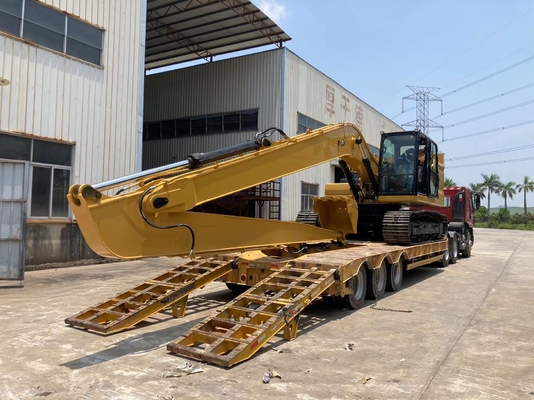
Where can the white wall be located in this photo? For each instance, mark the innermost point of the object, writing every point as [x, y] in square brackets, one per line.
[235, 84]
[56, 96]
[306, 91]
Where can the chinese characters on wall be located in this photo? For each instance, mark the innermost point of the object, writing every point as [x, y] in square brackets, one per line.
[330, 98]
[357, 116]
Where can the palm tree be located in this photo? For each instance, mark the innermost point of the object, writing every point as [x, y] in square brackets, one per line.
[477, 187]
[525, 187]
[491, 183]
[449, 182]
[507, 190]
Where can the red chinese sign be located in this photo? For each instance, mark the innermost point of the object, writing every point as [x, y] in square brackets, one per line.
[345, 106]
[330, 97]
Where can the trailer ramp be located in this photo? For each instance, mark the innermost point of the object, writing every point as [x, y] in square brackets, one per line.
[170, 289]
[253, 318]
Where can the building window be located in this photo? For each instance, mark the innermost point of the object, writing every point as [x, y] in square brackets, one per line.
[50, 175]
[308, 191]
[305, 123]
[51, 28]
[239, 121]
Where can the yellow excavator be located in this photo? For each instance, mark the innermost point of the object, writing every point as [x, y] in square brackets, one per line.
[369, 234]
[150, 215]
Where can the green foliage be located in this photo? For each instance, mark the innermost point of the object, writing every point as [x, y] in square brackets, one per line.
[478, 187]
[525, 187]
[503, 220]
[507, 191]
[492, 184]
[481, 214]
[449, 182]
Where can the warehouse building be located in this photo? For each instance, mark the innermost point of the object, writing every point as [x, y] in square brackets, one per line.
[73, 107]
[70, 112]
[219, 104]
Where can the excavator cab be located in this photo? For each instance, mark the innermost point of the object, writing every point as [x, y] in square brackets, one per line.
[408, 165]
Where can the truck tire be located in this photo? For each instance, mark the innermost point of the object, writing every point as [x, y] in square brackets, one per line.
[468, 243]
[444, 263]
[453, 248]
[358, 283]
[376, 282]
[395, 274]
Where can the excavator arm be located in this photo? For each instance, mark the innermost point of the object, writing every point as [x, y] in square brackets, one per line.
[272, 160]
[150, 215]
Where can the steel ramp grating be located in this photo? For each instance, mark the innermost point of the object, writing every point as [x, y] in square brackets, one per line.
[170, 289]
[253, 318]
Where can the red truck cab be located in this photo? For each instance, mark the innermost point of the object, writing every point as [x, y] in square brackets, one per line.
[460, 206]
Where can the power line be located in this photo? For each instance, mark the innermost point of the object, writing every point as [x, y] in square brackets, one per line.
[517, 64]
[490, 114]
[389, 98]
[488, 65]
[476, 44]
[487, 99]
[490, 130]
[490, 153]
[472, 73]
[508, 68]
[491, 163]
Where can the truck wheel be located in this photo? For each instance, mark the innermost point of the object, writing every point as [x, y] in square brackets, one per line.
[444, 263]
[395, 273]
[468, 243]
[358, 284]
[376, 282]
[453, 248]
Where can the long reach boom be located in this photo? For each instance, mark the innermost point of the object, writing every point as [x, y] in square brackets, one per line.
[150, 215]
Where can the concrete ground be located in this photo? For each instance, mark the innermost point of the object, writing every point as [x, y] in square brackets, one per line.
[470, 335]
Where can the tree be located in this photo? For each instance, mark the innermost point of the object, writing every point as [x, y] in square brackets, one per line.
[491, 183]
[449, 182]
[477, 187]
[507, 190]
[525, 187]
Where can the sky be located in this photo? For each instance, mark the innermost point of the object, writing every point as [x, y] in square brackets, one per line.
[376, 48]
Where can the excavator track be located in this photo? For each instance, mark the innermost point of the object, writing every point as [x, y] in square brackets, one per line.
[170, 289]
[241, 329]
[413, 227]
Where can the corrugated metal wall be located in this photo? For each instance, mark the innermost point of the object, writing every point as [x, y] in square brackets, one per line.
[55, 96]
[310, 92]
[254, 81]
[235, 84]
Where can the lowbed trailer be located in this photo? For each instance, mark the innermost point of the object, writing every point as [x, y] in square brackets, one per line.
[283, 284]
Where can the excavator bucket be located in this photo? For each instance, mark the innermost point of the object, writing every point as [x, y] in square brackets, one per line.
[170, 289]
[337, 213]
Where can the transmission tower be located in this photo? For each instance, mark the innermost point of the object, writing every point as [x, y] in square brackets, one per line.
[423, 96]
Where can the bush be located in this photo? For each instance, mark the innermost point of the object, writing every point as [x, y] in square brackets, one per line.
[503, 220]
